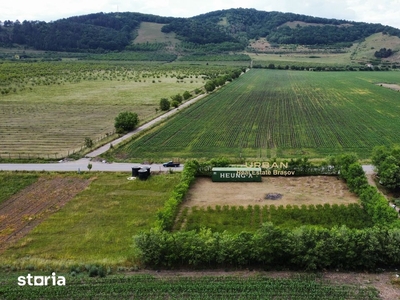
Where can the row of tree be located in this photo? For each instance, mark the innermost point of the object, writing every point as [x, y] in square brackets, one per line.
[271, 247]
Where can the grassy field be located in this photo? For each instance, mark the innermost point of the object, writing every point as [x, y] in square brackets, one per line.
[151, 33]
[47, 109]
[96, 226]
[269, 113]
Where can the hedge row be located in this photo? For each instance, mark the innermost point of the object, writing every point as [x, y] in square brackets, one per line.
[166, 216]
[271, 247]
[374, 203]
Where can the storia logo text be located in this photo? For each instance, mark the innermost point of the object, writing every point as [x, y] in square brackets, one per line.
[41, 280]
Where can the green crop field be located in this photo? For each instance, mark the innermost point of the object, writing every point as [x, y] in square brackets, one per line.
[273, 113]
[174, 287]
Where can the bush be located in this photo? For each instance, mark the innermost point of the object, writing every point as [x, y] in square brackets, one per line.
[186, 95]
[164, 104]
[126, 121]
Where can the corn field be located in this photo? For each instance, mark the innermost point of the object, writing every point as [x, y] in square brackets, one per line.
[272, 113]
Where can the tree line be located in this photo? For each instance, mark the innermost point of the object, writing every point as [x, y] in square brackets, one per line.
[225, 29]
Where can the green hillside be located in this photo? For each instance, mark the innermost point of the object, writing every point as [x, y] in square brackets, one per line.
[223, 31]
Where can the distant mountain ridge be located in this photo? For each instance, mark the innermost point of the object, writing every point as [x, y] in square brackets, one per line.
[230, 29]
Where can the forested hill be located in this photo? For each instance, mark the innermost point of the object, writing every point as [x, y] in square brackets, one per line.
[232, 28]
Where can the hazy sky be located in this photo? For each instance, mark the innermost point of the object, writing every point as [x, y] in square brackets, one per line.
[386, 12]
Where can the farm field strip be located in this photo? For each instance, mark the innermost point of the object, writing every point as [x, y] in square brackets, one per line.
[270, 111]
[194, 287]
[20, 213]
[49, 108]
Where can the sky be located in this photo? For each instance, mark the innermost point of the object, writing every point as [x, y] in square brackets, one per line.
[386, 12]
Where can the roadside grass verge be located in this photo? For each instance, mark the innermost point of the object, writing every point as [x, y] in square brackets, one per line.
[96, 227]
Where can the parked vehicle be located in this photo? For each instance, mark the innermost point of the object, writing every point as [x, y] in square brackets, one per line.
[171, 164]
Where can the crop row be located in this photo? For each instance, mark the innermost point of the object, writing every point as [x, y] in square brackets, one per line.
[147, 287]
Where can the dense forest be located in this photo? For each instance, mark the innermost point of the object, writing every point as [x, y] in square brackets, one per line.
[232, 28]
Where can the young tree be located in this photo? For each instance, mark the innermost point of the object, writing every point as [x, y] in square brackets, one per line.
[209, 86]
[126, 121]
[88, 142]
[186, 95]
[175, 103]
[164, 104]
[177, 97]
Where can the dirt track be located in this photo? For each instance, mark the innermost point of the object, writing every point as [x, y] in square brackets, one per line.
[26, 209]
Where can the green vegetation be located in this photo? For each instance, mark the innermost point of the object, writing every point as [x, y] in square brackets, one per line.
[11, 183]
[272, 247]
[387, 163]
[126, 121]
[298, 287]
[167, 214]
[164, 104]
[269, 113]
[96, 226]
[237, 219]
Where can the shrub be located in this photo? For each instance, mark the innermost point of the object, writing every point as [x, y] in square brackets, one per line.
[126, 121]
[164, 104]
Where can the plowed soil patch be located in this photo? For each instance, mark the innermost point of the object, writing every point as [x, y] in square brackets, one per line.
[26, 209]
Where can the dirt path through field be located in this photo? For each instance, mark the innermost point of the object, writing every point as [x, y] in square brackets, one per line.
[392, 86]
[26, 209]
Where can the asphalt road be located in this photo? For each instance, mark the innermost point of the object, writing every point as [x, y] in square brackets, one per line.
[81, 165]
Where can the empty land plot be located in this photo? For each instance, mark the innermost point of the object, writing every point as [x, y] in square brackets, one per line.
[294, 190]
[272, 113]
[97, 225]
[26, 209]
